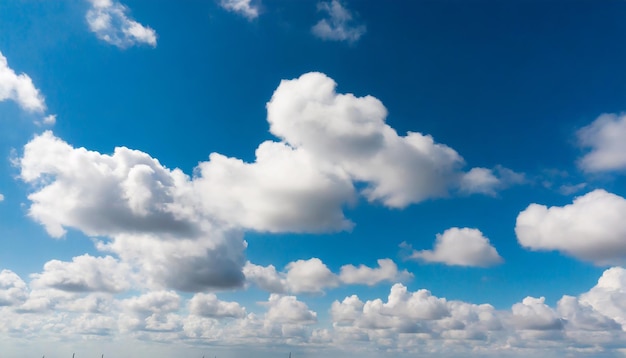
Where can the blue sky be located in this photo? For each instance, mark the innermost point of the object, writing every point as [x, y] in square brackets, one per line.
[241, 177]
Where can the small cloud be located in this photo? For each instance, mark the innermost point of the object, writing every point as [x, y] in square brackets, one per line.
[606, 137]
[1, 198]
[387, 270]
[19, 88]
[109, 21]
[569, 189]
[340, 24]
[50, 119]
[459, 247]
[244, 8]
[489, 181]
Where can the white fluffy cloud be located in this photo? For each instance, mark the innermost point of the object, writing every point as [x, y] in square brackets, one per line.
[285, 189]
[142, 207]
[350, 133]
[387, 270]
[108, 19]
[287, 309]
[608, 297]
[265, 277]
[606, 138]
[19, 88]
[1, 198]
[533, 314]
[309, 276]
[245, 8]
[185, 232]
[12, 289]
[411, 322]
[207, 305]
[592, 228]
[461, 247]
[313, 276]
[85, 274]
[339, 25]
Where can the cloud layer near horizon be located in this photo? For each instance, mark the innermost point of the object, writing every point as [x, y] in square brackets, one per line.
[409, 322]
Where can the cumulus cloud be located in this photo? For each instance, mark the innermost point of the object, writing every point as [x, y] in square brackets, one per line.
[309, 276]
[84, 274]
[287, 309]
[285, 189]
[139, 205]
[532, 313]
[245, 8]
[489, 181]
[19, 88]
[608, 296]
[109, 20]
[340, 24]
[461, 247]
[265, 277]
[1, 198]
[418, 322]
[313, 276]
[402, 313]
[186, 232]
[350, 133]
[387, 270]
[412, 322]
[13, 290]
[606, 139]
[591, 228]
[207, 305]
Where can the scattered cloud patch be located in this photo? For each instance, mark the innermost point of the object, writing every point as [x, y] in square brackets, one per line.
[340, 24]
[287, 309]
[1, 198]
[50, 119]
[313, 276]
[592, 228]
[461, 247]
[606, 139]
[245, 8]
[387, 270]
[207, 305]
[109, 20]
[310, 276]
[12, 289]
[569, 189]
[19, 88]
[85, 274]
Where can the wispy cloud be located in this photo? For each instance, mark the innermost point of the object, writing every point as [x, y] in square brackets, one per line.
[606, 137]
[108, 19]
[340, 24]
[244, 8]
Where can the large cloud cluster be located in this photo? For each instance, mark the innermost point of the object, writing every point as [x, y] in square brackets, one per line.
[185, 232]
